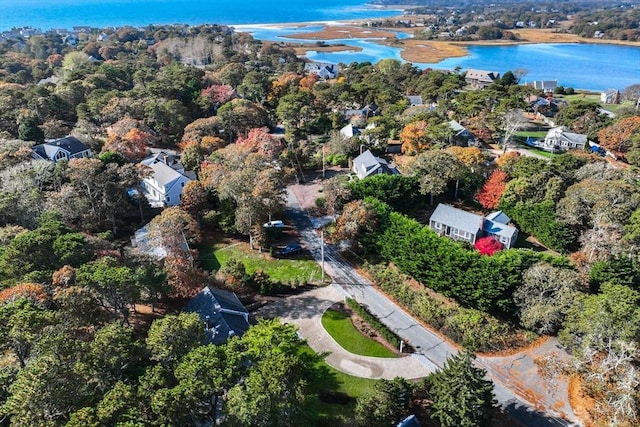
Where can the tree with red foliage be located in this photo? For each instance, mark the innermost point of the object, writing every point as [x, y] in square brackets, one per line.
[489, 195]
[133, 146]
[219, 94]
[488, 246]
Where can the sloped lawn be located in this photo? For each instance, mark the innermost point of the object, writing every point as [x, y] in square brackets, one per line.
[339, 325]
[296, 270]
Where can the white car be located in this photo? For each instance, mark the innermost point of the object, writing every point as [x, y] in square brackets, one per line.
[274, 224]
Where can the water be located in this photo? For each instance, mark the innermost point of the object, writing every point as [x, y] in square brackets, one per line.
[581, 66]
[46, 14]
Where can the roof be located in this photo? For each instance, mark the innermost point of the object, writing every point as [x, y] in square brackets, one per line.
[366, 164]
[414, 99]
[561, 132]
[349, 131]
[410, 421]
[454, 217]
[499, 216]
[498, 229]
[456, 127]
[69, 144]
[221, 311]
[482, 75]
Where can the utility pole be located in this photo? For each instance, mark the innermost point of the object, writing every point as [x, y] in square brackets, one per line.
[323, 163]
[322, 252]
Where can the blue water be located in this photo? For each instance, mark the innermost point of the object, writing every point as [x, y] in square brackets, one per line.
[581, 66]
[46, 14]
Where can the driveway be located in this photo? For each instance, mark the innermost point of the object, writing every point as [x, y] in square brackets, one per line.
[305, 311]
[431, 347]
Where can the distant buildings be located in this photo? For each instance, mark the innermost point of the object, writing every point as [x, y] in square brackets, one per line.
[480, 78]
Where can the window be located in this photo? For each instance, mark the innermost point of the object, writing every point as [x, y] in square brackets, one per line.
[437, 225]
[168, 199]
[61, 155]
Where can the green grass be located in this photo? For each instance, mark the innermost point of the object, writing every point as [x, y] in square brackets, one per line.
[282, 270]
[537, 134]
[330, 379]
[340, 327]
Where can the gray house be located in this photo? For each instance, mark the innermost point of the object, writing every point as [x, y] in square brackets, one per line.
[559, 138]
[66, 148]
[366, 164]
[480, 78]
[221, 312]
[469, 227]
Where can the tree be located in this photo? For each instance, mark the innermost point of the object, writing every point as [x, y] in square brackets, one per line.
[172, 337]
[488, 245]
[415, 138]
[174, 229]
[21, 322]
[492, 190]
[435, 169]
[545, 296]
[240, 116]
[132, 147]
[276, 388]
[618, 137]
[356, 217]
[512, 121]
[387, 404]
[115, 285]
[462, 397]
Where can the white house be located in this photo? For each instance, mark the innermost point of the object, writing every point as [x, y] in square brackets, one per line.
[163, 187]
[66, 148]
[323, 70]
[366, 164]
[559, 138]
[611, 96]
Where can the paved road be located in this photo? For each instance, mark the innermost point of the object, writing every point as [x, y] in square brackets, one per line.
[425, 342]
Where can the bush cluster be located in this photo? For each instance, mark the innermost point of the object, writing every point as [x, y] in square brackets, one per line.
[468, 327]
[388, 335]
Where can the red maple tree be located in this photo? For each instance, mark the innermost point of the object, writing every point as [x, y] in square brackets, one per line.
[489, 195]
[488, 246]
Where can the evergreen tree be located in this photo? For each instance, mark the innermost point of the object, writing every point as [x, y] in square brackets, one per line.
[462, 397]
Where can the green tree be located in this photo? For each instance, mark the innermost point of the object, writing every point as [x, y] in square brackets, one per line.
[462, 397]
[387, 404]
[21, 323]
[172, 337]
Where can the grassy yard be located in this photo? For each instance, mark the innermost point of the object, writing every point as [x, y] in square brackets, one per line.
[282, 270]
[332, 380]
[340, 327]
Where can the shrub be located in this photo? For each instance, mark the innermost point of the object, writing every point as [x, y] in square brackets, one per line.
[378, 326]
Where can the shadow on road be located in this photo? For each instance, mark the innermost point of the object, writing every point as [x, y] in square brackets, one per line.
[297, 307]
[526, 416]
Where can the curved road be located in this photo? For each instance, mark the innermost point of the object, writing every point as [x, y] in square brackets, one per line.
[433, 349]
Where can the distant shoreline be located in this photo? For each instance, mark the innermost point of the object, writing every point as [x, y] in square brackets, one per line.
[412, 50]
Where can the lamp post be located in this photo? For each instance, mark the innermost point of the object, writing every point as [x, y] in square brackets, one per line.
[322, 253]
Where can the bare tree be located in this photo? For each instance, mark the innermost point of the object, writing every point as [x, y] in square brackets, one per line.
[512, 121]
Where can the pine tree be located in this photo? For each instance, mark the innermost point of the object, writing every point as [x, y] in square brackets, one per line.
[462, 397]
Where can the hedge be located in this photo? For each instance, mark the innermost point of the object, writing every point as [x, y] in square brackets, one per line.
[388, 335]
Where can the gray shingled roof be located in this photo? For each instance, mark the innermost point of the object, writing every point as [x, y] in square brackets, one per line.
[222, 313]
[454, 217]
[69, 144]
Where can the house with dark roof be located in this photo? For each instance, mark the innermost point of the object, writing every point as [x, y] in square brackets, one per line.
[163, 187]
[322, 69]
[366, 164]
[458, 224]
[223, 315]
[560, 139]
[480, 78]
[461, 135]
[66, 148]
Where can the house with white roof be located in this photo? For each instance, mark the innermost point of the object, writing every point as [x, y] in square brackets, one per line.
[560, 139]
[163, 187]
[322, 69]
[458, 224]
[66, 148]
[366, 164]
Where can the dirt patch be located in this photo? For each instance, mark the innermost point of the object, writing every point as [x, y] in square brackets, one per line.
[581, 404]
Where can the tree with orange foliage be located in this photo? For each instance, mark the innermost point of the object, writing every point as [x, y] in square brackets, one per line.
[262, 141]
[132, 147]
[194, 198]
[307, 82]
[471, 157]
[31, 291]
[489, 195]
[618, 136]
[63, 277]
[414, 138]
[184, 278]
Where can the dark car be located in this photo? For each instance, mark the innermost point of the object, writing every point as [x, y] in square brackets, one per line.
[291, 249]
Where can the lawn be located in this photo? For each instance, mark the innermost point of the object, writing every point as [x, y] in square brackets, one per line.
[340, 327]
[299, 269]
[330, 379]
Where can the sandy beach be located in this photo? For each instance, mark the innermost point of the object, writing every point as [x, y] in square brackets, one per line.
[412, 49]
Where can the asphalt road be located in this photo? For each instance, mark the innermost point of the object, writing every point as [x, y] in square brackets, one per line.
[426, 343]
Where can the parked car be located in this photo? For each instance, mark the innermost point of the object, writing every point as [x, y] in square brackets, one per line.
[274, 224]
[291, 249]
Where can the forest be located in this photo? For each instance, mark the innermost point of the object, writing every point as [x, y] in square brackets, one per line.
[247, 119]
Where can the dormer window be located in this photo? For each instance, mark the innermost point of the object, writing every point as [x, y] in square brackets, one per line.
[61, 155]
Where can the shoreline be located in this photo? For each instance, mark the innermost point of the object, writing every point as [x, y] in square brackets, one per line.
[411, 49]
